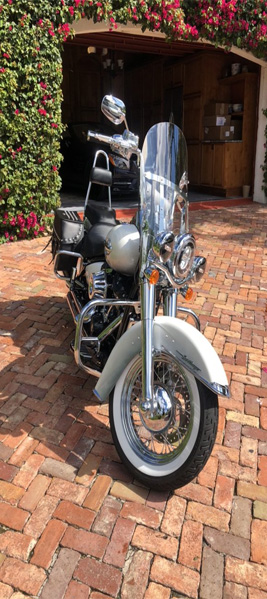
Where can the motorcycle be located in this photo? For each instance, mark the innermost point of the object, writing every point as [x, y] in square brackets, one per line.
[160, 375]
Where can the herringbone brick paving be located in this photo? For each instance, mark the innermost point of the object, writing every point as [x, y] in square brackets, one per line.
[74, 524]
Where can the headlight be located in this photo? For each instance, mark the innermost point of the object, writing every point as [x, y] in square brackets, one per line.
[183, 255]
[163, 246]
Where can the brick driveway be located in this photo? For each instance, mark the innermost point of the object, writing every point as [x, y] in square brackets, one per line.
[73, 522]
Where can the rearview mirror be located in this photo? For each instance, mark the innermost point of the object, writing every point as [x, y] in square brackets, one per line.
[114, 109]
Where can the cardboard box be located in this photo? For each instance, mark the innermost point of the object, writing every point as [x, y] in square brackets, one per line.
[218, 133]
[217, 120]
[236, 128]
[216, 109]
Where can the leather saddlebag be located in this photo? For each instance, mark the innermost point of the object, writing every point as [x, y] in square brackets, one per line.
[68, 231]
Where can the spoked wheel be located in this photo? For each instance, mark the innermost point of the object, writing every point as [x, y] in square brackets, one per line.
[167, 448]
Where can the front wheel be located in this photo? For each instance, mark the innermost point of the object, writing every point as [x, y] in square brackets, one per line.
[168, 448]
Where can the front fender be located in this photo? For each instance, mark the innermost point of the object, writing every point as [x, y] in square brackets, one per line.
[191, 349]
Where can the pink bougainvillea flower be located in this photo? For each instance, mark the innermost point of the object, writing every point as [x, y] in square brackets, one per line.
[21, 221]
[54, 168]
[54, 125]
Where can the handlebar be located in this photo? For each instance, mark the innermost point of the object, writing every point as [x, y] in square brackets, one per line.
[125, 145]
[100, 137]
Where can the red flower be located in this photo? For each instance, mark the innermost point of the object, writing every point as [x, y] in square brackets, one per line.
[71, 10]
[54, 125]
[21, 221]
[43, 85]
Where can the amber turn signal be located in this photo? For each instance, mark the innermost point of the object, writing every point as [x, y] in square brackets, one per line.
[189, 294]
[154, 277]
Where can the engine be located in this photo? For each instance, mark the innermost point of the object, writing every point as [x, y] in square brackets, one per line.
[103, 282]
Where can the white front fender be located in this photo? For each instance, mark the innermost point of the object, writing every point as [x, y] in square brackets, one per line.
[191, 349]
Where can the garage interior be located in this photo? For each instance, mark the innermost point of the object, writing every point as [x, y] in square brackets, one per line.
[158, 80]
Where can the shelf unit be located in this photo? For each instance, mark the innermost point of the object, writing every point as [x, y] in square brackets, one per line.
[225, 166]
[243, 89]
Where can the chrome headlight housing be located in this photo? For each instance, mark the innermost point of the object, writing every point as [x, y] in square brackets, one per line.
[163, 246]
[183, 255]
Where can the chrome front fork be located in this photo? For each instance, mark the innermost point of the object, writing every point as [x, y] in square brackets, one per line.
[170, 308]
[147, 316]
[170, 303]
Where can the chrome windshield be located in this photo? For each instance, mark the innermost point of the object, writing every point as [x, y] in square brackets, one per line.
[163, 180]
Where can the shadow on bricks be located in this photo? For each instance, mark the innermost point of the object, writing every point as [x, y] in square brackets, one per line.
[73, 522]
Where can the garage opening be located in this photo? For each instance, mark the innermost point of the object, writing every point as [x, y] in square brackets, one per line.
[210, 94]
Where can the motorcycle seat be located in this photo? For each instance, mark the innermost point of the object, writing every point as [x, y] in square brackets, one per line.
[100, 219]
[97, 213]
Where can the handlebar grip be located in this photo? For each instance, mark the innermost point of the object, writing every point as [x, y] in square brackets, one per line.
[99, 136]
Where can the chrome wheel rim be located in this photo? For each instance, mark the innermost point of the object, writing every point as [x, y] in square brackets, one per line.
[163, 439]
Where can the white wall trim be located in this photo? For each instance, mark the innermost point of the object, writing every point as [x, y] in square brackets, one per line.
[88, 26]
[259, 195]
